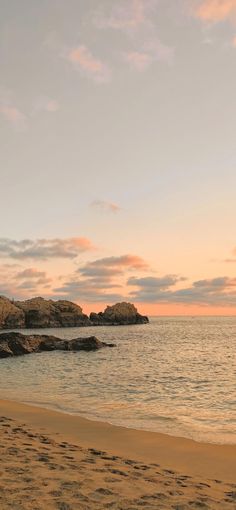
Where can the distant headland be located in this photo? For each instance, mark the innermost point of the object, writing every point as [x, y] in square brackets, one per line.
[41, 313]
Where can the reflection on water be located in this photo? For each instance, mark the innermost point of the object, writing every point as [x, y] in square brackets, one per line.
[175, 375]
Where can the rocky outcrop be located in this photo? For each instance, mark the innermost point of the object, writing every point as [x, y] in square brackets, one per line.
[16, 344]
[11, 316]
[119, 314]
[43, 313]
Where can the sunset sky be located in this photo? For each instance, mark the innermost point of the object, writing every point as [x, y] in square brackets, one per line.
[118, 161]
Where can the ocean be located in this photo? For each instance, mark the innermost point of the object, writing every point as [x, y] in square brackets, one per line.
[176, 375]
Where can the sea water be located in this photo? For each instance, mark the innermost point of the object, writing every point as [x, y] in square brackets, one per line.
[176, 375]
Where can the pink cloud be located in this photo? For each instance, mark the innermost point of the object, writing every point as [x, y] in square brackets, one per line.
[127, 16]
[90, 65]
[81, 243]
[45, 104]
[13, 116]
[152, 51]
[100, 279]
[135, 18]
[52, 106]
[130, 261]
[216, 10]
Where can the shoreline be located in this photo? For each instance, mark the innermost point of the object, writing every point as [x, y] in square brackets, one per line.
[59, 410]
[208, 460]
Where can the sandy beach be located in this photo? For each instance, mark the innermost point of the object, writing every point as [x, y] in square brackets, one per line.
[57, 461]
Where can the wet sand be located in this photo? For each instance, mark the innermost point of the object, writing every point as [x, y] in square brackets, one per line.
[51, 460]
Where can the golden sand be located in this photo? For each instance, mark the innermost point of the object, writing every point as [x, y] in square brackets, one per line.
[51, 460]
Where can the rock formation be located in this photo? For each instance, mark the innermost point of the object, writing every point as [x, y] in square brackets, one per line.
[42, 313]
[119, 314]
[16, 344]
[11, 316]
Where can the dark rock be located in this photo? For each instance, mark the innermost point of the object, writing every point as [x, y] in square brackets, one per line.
[118, 314]
[5, 351]
[17, 344]
[97, 319]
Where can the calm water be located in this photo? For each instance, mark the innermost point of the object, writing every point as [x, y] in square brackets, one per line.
[175, 375]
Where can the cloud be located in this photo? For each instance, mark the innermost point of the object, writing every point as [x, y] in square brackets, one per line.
[216, 291]
[31, 273]
[43, 249]
[105, 206]
[138, 60]
[52, 106]
[157, 50]
[33, 281]
[152, 289]
[216, 10]
[27, 285]
[109, 279]
[97, 288]
[24, 283]
[127, 16]
[82, 58]
[100, 286]
[152, 51]
[33, 278]
[14, 116]
[151, 282]
[95, 281]
[46, 104]
[135, 18]
[99, 280]
[102, 271]
[124, 261]
[83, 292]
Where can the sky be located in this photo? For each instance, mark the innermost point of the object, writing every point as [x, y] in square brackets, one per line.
[117, 160]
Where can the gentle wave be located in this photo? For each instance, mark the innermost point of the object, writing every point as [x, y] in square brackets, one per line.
[175, 375]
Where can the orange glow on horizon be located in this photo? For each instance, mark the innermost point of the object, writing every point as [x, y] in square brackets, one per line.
[166, 309]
